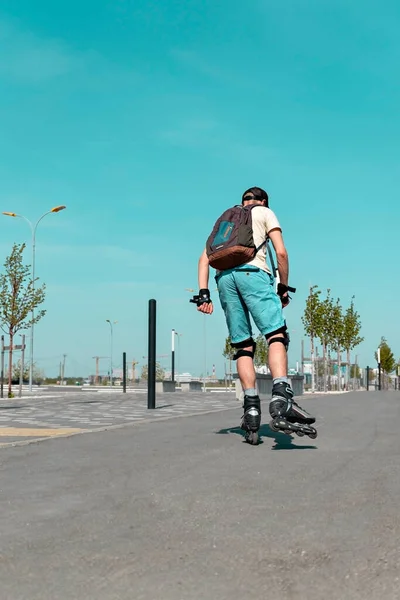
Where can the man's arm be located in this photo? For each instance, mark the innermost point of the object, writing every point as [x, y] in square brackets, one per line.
[204, 274]
[281, 255]
[204, 271]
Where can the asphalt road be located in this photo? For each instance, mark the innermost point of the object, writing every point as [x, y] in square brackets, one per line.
[183, 509]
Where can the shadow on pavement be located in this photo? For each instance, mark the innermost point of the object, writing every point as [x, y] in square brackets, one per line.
[12, 407]
[282, 441]
[86, 402]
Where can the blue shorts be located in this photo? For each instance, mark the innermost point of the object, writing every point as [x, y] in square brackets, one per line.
[246, 291]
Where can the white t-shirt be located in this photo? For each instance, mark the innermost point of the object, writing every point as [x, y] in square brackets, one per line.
[263, 221]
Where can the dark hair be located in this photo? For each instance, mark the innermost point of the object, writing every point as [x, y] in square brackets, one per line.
[255, 193]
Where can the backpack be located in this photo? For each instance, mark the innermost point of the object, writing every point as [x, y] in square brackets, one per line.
[231, 241]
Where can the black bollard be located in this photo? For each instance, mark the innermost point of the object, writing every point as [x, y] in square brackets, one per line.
[124, 372]
[151, 370]
[367, 379]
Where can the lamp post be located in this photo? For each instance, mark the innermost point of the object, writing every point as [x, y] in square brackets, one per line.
[379, 369]
[174, 333]
[111, 323]
[33, 227]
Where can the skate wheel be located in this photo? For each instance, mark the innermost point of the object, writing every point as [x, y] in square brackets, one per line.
[300, 433]
[273, 426]
[252, 438]
[313, 436]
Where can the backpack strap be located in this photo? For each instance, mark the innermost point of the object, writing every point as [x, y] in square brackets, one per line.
[274, 269]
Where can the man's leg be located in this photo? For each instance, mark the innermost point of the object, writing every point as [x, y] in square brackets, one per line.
[239, 327]
[282, 403]
[245, 350]
[277, 358]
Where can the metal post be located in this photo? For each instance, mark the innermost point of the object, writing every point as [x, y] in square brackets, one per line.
[2, 367]
[21, 375]
[151, 371]
[33, 312]
[63, 369]
[379, 368]
[173, 356]
[124, 372]
[367, 379]
[111, 355]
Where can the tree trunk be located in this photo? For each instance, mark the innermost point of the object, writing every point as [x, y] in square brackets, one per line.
[312, 365]
[348, 374]
[324, 353]
[339, 374]
[10, 366]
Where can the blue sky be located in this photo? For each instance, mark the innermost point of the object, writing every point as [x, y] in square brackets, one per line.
[149, 118]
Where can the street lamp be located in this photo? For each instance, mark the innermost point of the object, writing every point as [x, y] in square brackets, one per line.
[174, 333]
[33, 227]
[111, 347]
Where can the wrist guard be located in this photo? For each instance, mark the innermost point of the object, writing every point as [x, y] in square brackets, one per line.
[203, 297]
[283, 289]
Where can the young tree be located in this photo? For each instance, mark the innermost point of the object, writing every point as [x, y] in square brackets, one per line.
[261, 354]
[19, 297]
[388, 362]
[337, 335]
[355, 372]
[326, 328]
[351, 332]
[312, 323]
[16, 372]
[38, 374]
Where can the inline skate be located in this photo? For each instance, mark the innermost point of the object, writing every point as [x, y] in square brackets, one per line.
[287, 416]
[251, 419]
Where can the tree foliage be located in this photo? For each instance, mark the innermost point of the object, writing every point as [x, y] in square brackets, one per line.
[355, 372]
[160, 372]
[38, 374]
[351, 328]
[312, 313]
[261, 354]
[19, 297]
[337, 330]
[228, 351]
[388, 362]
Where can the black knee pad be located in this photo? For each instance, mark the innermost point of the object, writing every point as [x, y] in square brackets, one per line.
[240, 348]
[283, 340]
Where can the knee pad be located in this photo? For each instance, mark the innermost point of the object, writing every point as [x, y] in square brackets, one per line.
[283, 340]
[240, 348]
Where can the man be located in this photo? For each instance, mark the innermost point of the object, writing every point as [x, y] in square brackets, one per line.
[246, 290]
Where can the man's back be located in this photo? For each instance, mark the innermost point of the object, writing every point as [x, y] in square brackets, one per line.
[264, 220]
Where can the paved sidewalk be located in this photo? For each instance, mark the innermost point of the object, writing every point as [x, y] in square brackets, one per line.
[56, 416]
[183, 509]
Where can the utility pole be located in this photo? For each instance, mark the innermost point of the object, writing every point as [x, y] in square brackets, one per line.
[22, 364]
[97, 358]
[379, 370]
[63, 369]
